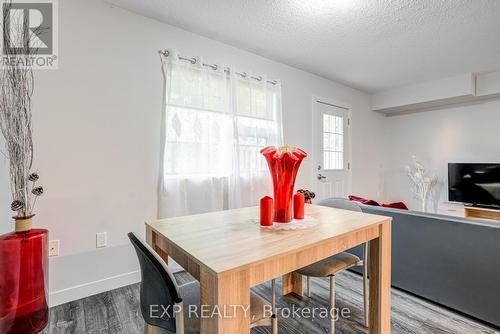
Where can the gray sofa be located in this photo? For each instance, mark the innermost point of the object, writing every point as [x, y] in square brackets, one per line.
[449, 260]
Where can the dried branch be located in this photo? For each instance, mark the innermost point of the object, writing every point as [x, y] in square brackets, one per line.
[422, 183]
[16, 89]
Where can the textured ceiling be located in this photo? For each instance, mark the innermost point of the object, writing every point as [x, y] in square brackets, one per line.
[371, 45]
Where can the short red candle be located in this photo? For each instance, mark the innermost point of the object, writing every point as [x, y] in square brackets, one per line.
[266, 211]
[298, 206]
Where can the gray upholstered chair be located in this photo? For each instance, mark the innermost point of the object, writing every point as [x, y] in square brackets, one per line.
[329, 267]
[160, 296]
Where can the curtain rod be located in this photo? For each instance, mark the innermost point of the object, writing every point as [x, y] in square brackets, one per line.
[166, 53]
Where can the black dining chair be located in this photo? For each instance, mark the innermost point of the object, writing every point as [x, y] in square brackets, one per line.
[335, 264]
[160, 295]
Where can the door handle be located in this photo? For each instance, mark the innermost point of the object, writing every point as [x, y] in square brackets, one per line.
[321, 177]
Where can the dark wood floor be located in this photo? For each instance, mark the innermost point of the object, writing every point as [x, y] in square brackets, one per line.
[117, 311]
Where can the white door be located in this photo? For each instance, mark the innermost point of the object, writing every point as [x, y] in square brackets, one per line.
[331, 150]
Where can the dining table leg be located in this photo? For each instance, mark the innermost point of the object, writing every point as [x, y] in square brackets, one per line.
[380, 281]
[225, 302]
[292, 282]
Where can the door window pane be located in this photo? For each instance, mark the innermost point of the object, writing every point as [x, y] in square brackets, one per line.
[333, 142]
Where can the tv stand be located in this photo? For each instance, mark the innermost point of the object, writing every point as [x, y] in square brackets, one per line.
[483, 213]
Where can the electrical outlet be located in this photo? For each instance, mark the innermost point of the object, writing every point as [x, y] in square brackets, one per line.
[101, 240]
[54, 247]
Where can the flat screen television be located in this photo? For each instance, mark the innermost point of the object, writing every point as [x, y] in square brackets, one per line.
[475, 184]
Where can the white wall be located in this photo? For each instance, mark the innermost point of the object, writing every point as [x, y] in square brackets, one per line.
[97, 127]
[467, 133]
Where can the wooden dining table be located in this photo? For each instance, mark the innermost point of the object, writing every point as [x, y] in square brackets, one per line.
[228, 252]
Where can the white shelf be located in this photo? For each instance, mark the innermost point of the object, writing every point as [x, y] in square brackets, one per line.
[465, 88]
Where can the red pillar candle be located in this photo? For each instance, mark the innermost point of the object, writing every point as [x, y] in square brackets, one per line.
[266, 211]
[298, 206]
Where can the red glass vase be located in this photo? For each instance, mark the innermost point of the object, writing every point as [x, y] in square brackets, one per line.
[23, 281]
[284, 163]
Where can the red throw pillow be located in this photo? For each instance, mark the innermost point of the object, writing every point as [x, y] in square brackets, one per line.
[363, 200]
[396, 205]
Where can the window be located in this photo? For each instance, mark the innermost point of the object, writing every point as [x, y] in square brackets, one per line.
[333, 142]
[202, 128]
[215, 125]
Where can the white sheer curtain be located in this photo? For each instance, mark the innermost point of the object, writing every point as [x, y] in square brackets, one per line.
[214, 125]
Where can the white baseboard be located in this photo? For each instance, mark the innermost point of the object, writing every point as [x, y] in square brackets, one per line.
[92, 288]
[81, 275]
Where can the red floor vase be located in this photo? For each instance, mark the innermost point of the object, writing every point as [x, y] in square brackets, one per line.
[284, 163]
[23, 279]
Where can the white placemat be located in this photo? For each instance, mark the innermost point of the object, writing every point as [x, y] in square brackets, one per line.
[295, 224]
